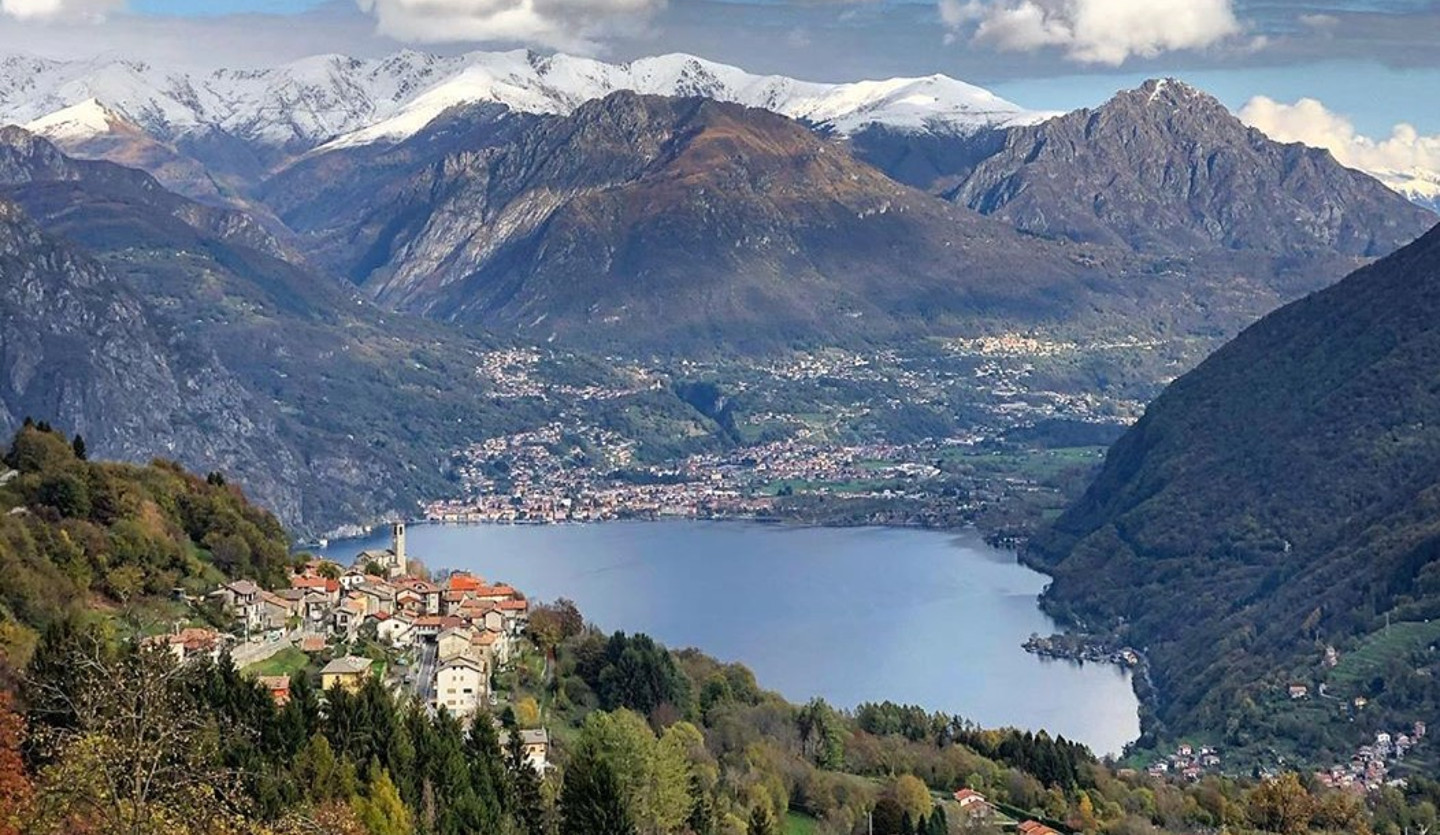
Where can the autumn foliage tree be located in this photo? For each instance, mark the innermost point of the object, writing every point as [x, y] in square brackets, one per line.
[16, 790]
[1282, 805]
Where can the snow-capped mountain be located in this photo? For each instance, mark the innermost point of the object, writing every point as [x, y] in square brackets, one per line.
[348, 101]
[1417, 184]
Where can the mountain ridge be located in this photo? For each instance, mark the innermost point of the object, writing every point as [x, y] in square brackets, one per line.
[1277, 500]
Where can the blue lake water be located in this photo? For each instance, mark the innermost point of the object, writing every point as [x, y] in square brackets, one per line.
[849, 614]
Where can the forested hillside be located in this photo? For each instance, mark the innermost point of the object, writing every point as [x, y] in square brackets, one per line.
[1272, 521]
[101, 732]
[78, 536]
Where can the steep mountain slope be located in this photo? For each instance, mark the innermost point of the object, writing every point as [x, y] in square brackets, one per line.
[1282, 497]
[671, 223]
[337, 411]
[78, 347]
[1166, 168]
[236, 125]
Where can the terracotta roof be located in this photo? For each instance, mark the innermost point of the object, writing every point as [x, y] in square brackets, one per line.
[312, 643]
[192, 638]
[461, 581]
[514, 605]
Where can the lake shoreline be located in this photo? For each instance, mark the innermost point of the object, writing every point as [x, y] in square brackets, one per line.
[803, 605]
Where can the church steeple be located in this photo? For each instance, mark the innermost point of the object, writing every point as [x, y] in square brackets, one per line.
[398, 546]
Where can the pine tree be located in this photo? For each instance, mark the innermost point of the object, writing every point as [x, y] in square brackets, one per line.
[381, 809]
[761, 823]
[590, 799]
[702, 809]
[938, 825]
[487, 767]
[78, 445]
[527, 804]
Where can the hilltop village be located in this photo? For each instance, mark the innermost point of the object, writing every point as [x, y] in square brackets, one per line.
[443, 641]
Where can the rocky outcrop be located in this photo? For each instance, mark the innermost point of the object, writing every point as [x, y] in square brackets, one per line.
[1166, 168]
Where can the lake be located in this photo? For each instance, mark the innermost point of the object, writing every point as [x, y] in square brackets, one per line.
[849, 614]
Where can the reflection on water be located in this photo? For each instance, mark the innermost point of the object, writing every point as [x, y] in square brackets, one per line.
[850, 614]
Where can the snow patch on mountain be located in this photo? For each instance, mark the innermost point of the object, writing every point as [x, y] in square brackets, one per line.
[347, 101]
[82, 121]
[559, 84]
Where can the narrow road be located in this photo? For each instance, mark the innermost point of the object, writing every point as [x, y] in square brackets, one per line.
[425, 672]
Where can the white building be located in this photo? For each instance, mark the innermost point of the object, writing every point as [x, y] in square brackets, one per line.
[460, 685]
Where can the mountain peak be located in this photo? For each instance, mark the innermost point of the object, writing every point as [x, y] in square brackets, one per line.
[1165, 168]
[1166, 95]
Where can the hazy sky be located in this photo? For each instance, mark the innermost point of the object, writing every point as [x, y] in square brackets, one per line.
[1368, 65]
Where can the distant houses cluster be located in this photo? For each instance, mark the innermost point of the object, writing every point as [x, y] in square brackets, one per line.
[1187, 761]
[463, 627]
[1369, 767]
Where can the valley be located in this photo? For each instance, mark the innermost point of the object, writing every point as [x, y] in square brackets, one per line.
[993, 431]
[1181, 371]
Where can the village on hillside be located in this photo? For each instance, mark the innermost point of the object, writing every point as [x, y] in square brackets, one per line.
[443, 640]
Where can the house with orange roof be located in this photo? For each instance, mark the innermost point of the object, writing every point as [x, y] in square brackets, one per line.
[464, 581]
[190, 644]
[278, 687]
[973, 803]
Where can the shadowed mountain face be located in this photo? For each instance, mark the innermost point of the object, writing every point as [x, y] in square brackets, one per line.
[675, 224]
[79, 348]
[1281, 497]
[675, 221]
[167, 327]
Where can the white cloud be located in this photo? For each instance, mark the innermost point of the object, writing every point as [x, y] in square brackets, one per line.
[1095, 31]
[59, 9]
[573, 25]
[1406, 150]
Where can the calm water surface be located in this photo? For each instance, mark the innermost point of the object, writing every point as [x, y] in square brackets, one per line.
[850, 614]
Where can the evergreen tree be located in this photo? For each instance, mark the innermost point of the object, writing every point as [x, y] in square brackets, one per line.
[78, 445]
[937, 824]
[527, 805]
[590, 799]
[381, 809]
[487, 767]
[907, 825]
[702, 809]
[761, 823]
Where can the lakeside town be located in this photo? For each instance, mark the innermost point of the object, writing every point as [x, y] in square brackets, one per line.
[530, 478]
[935, 437]
[442, 641]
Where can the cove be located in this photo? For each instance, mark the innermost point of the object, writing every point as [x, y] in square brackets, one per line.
[848, 614]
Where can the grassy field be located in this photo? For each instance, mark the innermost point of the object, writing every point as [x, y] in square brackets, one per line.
[798, 824]
[286, 662]
[1037, 464]
[1375, 652]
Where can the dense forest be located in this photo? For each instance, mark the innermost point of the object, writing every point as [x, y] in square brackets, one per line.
[102, 733]
[1272, 522]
